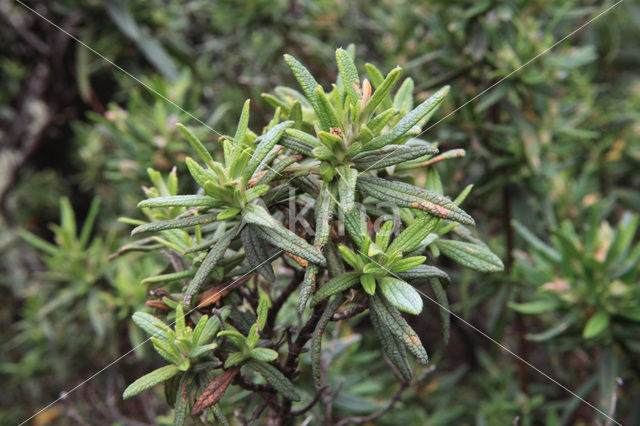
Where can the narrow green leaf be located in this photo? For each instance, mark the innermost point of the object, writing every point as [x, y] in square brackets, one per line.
[347, 187]
[558, 328]
[349, 256]
[378, 123]
[327, 115]
[296, 145]
[536, 307]
[406, 195]
[354, 222]
[269, 140]
[384, 235]
[206, 267]
[174, 276]
[407, 263]
[425, 109]
[391, 318]
[180, 201]
[185, 222]
[87, 227]
[235, 358]
[263, 354]
[307, 286]
[197, 145]
[596, 325]
[397, 154]
[395, 351]
[150, 380]
[304, 77]
[257, 254]
[401, 295]
[423, 272]
[350, 78]
[275, 233]
[151, 325]
[276, 379]
[238, 139]
[382, 91]
[368, 283]
[316, 339]
[473, 256]
[336, 285]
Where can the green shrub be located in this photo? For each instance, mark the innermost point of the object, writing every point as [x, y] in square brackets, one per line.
[338, 154]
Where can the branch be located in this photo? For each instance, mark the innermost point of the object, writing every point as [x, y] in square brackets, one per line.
[349, 313]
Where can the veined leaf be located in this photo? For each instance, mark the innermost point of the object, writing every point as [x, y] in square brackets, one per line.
[307, 286]
[151, 325]
[316, 339]
[269, 140]
[422, 272]
[384, 235]
[275, 233]
[263, 354]
[349, 256]
[200, 175]
[257, 254]
[401, 295]
[271, 174]
[308, 85]
[210, 261]
[276, 379]
[403, 100]
[214, 391]
[347, 187]
[327, 115]
[391, 318]
[398, 154]
[185, 222]
[180, 201]
[407, 195]
[238, 139]
[407, 263]
[197, 145]
[368, 283]
[378, 123]
[167, 351]
[425, 109]
[382, 91]
[228, 213]
[355, 224]
[296, 145]
[395, 351]
[473, 256]
[336, 285]
[350, 78]
[182, 401]
[150, 380]
[235, 358]
[174, 276]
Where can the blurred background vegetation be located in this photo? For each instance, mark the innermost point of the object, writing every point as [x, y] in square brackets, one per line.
[553, 152]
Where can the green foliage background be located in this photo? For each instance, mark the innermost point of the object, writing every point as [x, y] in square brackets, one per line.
[553, 152]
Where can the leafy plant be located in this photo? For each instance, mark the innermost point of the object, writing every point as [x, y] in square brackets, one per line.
[335, 152]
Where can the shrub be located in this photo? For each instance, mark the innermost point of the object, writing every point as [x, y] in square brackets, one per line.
[342, 157]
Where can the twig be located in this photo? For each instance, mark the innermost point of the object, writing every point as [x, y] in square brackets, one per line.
[349, 313]
[310, 405]
[394, 400]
